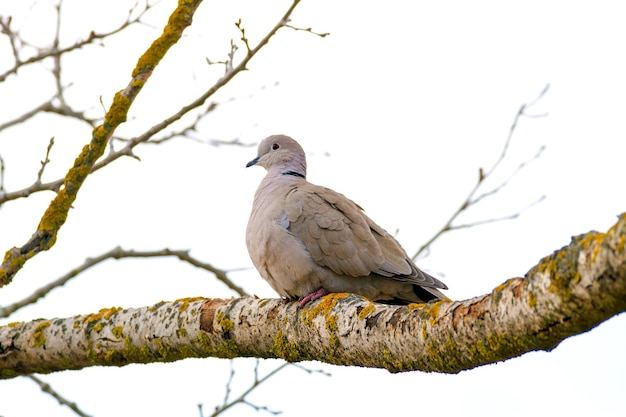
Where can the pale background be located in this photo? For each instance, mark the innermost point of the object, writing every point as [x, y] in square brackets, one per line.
[397, 109]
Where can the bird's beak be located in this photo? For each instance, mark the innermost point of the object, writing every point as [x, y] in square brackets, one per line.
[253, 162]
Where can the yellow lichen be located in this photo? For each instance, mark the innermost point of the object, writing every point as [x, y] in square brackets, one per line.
[390, 362]
[324, 308]
[117, 331]
[56, 213]
[162, 347]
[39, 338]
[332, 327]
[225, 323]
[562, 266]
[414, 306]
[331, 323]
[622, 243]
[532, 299]
[184, 302]
[431, 311]
[366, 311]
[595, 239]
[500, 287]
[283, 349]
[105, 313]
[110, 312]
[178, 21]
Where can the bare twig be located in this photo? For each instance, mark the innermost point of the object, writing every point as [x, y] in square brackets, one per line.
[242, 30]
[127, 150]
[181, 132]
[51, 52]
[309, 30]
[46, 161]
[56, 59]
[506, 181]
[497, 219]
[50, 107]
[56, 213]
[5, 26]
[57, 104]
[62, 400]
[241, 399]
[229, 75]
[1, 175]
[472, 199]
[42, 107]
[119, 253]
[220, 142]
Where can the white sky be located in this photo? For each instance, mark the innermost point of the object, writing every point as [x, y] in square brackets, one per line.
[397, 109]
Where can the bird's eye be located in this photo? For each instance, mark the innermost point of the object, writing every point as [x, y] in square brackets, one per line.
[275, 146]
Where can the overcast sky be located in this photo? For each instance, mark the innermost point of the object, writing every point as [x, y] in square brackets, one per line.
[398, 109]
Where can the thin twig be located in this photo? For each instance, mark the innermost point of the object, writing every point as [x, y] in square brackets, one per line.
[55, 52]
[309, 30]
[119, 253]
[56, 214]
[496, 219]
[506, 181]
[62, 400]
[127, 150]
[1, 175]
[46, 161]
[471, 199]
[242, 30]
[56, 59]
[20, 119]
[46, 53]
[241, 399]
[192, 126]
[229, 75]
[50, 107]
[6, 29]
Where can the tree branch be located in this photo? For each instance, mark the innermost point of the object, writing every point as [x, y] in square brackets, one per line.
[127, 150]
[241, 399]
[472, 199]
[44, 53]
[56, 214]
[45, 387]
[567, 293]
[225, 79]
[119, 253]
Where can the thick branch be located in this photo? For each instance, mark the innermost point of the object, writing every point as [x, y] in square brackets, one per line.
[567, 293]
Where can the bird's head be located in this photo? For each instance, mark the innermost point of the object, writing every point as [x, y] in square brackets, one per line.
[282, 154]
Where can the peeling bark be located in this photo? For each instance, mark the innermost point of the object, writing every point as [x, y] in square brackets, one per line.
[567, 293]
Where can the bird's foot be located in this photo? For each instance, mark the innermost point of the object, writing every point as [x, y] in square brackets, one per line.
[313, 296]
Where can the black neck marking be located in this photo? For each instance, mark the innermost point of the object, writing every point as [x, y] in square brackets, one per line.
[294, 173]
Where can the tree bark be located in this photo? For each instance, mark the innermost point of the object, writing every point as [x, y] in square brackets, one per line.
[567, 293]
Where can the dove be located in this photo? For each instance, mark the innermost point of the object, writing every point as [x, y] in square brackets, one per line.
[307, 241]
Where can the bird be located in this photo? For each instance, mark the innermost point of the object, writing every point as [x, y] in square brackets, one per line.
[307, 240]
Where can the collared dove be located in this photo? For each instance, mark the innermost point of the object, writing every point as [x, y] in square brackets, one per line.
[307, 241]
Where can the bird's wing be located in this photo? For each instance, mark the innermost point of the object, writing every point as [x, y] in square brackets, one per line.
[341, 237]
